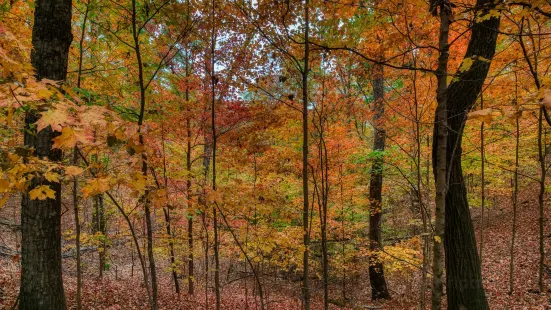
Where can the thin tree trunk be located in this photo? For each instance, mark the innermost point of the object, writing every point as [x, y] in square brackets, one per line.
[77, 232]
[515, 195]
[541, 151]
[305, 209]
[191, 279]
[422, 208]
[482, 183]
[440, 160]
[166, 211]
[75, 162]
[541, 197]
[148, 221]
[41, 273]
[132, 232]
[379, 289]
[213, 131]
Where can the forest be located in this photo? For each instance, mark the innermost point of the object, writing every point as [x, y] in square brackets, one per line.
[275, 154]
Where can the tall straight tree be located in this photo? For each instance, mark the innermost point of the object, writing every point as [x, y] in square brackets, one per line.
[379, 288]
[463, 273]
[41, 274]
[439, 155]
[306, 206]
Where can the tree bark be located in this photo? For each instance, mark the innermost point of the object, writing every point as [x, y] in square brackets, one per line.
[439, 161]
[305, 207]
[379, 288]
[463, 275]
[41, 273]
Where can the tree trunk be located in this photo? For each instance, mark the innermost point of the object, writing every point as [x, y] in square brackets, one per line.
[144, 198]
[482, 184]
[463, 275]
[439, 161]
[515, 195]
[541, 198]
[214, 80]
[41, 273]
[305, 207]
[188, 194]
[99, 227]
[379, 288]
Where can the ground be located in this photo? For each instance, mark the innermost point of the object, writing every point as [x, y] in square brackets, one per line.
[117, 292]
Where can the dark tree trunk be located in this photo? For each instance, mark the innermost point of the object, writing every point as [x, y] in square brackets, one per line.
[305, 193]
[379, 288]
[41, 274]
[463, 275]
[98, 224]
[440, 155]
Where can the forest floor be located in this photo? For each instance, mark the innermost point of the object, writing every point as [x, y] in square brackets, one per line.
[113, 292]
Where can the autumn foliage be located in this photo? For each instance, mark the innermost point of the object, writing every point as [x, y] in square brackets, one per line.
[181, 128]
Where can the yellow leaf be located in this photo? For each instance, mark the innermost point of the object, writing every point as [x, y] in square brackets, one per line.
[42, 192]
[45, 93]
[9, 119]
[437, 239]
[3, 200]
[466, 64]
[66, 139]
[72, 171]
[138, 182]
[52, 176]
[96, 186]
[4, 186]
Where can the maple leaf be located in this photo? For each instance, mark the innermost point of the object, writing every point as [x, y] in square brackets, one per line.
[52, 176]
[53, 117]
[45, 93]
[138, 182]
[4, 186]
[96, 186]
[42, 192]
[66, 139]
[72, 171]
[485, 115]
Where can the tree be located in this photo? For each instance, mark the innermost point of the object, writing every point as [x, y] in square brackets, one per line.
[41, 279]
[379, 288]
[41, 274]
[463, 275]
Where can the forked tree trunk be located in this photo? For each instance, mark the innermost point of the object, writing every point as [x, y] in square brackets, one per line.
[41, 273]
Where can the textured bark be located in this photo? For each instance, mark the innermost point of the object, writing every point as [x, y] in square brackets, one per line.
[379, 288]
[463, 275]
[440, 156]
[41, 274]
